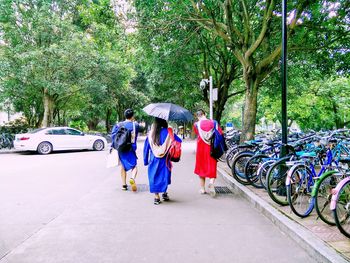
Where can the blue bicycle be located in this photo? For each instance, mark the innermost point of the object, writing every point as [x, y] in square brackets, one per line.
[301, 177]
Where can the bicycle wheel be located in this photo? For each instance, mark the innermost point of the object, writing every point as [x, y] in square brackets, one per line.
[342, 210]
[2, 142]
[298, 190]
[276, 181]
[230, 153]
[323, 196]
[262, 172]
[251, 170]
[238, 166]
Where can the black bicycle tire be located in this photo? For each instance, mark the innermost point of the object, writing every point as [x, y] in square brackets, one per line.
[337, 221]
[296, 211]
[240, 179]
[231, 152]
[282, 182]
[319, 213]
[266, 165]
[247, 169]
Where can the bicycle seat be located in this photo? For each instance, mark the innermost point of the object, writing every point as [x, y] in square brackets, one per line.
[308, 155]
[303, 154]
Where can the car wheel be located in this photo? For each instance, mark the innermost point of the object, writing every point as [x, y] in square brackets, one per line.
[98, 145]
[44, 148]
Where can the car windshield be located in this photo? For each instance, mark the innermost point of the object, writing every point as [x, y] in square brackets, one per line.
[36, 130]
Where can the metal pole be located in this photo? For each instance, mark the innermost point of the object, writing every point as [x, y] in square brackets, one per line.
[211, 96]
[184, 130]
[284, 78]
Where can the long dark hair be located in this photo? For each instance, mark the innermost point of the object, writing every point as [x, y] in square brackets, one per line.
[158, 124]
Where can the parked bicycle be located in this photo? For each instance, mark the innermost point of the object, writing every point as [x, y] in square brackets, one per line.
[340, 206]
[6, 141]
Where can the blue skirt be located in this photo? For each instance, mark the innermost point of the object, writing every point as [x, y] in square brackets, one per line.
[128, 159]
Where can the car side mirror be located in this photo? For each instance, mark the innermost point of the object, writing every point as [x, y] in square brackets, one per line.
[82, 134]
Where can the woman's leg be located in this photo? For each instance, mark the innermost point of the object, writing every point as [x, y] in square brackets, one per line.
[156, 199]
[211, 187]
[123, 176]
[165, 195]
[134, 172]
[132, 179]
[202, 184]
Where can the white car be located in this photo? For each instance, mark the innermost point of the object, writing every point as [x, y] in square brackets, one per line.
[46, 140]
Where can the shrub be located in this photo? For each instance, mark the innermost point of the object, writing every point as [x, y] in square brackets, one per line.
[19, 125]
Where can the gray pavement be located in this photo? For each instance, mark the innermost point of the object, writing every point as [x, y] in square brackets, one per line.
[67, 207]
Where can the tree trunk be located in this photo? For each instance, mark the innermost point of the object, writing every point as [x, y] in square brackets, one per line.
[250, 109]
[338, 122]
[120, 116]
[48, 109]
[221, 102]
[92, 124]
[218, 110]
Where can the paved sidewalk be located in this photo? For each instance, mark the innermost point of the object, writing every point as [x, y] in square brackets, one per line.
[109, 225]
[325, 241]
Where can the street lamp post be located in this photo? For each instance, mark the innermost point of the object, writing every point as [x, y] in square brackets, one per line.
[202, 86]
[284, 78]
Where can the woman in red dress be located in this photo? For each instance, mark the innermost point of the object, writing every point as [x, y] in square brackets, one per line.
[205, 164]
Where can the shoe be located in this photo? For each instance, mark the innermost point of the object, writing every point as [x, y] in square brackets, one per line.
[124, 187]
[157, 201]
[211, 188]
[165, 197]
[133, 184]
[202, 192]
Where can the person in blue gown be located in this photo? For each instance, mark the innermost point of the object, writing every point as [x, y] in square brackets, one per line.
[155, 154]
[128, 159]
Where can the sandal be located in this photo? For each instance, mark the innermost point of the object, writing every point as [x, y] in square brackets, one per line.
[165, 197]
[202, 192]
[157, 201]
[133, 184]
[211, 188]
[125, 187]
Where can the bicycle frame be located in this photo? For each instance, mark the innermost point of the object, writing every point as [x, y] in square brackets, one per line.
[335, 192]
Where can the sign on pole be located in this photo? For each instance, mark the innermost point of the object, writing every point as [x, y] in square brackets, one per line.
[215, 94]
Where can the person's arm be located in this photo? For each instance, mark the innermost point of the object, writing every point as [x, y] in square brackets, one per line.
[137, 126]
[136, 132]
[146, 149]
[195, 128]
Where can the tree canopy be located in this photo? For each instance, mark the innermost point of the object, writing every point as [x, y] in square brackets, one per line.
[85, 61]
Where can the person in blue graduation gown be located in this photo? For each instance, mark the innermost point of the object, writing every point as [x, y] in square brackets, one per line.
[155, 153]
[128, 159]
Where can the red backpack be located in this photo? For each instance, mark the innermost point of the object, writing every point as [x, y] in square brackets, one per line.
[174, 152]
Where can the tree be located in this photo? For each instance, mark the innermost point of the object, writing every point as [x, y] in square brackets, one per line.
[251, 30]
[46, 57]
[116, 71]
[180, 54]
[316, 82]
[67, 57]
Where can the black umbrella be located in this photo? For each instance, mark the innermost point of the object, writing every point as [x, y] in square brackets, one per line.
[168, 112]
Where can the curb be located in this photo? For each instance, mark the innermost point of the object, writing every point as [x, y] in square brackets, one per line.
[313, 245]
[7, 151]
